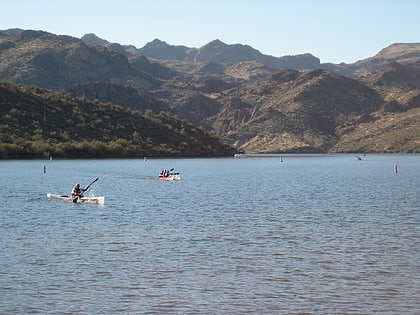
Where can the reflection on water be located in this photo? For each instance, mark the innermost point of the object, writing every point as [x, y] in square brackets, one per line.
[313, 234]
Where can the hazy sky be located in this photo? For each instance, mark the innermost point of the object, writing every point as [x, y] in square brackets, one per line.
[332, 30]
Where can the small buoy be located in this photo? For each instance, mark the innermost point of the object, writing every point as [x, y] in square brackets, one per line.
[395, 168]
[45, 169]
[145, 159]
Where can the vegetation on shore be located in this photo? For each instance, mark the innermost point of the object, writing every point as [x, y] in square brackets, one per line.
[38, 123]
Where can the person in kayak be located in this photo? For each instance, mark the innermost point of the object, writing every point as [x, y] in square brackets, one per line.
[164, 173]
[77, 191]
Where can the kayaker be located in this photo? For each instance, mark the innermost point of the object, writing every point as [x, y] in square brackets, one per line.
[77, 191]
[164, 173]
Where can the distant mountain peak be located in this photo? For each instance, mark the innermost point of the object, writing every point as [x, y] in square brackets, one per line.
[156, 43]
[407, 50]
[215, 43]
[91, 38]
[162, 50]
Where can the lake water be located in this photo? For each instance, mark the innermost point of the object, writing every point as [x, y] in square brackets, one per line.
[314, 234]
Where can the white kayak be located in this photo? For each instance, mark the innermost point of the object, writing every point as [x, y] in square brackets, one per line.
[93, 200]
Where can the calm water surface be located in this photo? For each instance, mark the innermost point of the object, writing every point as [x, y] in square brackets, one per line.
[310, 235]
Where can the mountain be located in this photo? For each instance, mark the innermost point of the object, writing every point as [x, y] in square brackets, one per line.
[302, 111]
[59, 62]
[219, 52]
[161, 50]
[215, 51]
[249, 104]
[401, 53]
[395, 74]
[318, 111]
[39, 123]
[92, 39]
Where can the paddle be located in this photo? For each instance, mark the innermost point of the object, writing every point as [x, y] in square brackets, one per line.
[87, 187]
[84, 189]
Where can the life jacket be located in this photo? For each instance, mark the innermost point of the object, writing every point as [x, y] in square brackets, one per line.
[77, 191]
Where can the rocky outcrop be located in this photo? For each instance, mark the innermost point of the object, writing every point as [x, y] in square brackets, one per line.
[59, 62]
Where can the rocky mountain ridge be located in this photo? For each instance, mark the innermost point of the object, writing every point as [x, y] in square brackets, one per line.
[219, 52]
[214, 51]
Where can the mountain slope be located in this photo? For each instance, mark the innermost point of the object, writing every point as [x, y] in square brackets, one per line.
[398, 132]
[58, 62]
[293, 111]
[304, 111]
[402, 53]
[39, 123]
[319, 111]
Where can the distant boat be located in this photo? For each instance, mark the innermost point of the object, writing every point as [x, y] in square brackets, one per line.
[240, 155]
[174, 176]
[167, 175]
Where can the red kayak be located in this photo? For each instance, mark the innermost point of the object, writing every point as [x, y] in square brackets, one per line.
[169, 175]
[174, 176]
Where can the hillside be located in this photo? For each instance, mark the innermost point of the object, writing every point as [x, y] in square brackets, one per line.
[303, 111]
[58, 62]
[234, 92]
[38, 123]
[293, 111]
[402, 53]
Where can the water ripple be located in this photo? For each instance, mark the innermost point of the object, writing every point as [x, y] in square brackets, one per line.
[329, 235]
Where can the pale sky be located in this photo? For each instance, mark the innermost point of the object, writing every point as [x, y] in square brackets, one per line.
[332, 30]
